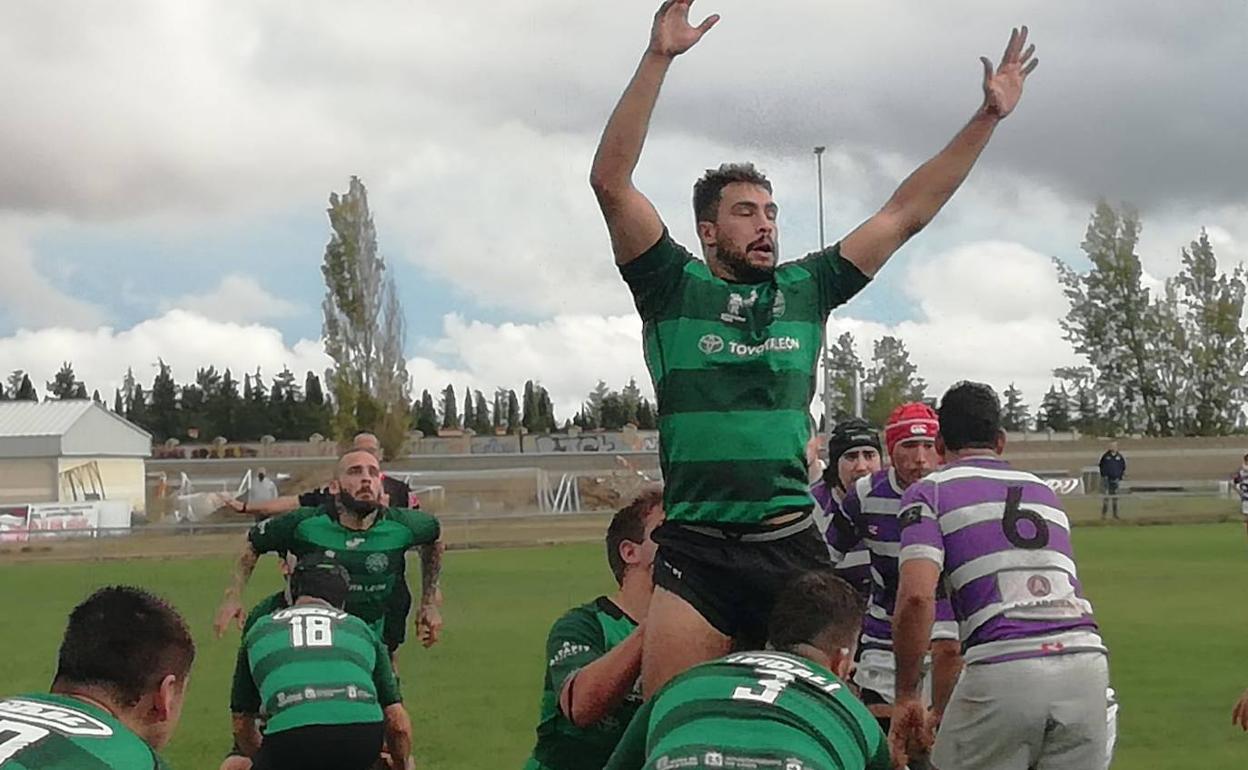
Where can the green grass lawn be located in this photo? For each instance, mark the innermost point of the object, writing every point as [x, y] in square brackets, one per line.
[1168, 597]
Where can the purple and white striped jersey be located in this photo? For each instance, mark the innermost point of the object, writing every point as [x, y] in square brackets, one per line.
[1003, 543]
[853, 566]
[874, 506]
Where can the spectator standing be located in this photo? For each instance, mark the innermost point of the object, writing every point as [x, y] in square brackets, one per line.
[263, 490]
[1113, 468]
[1240, 480]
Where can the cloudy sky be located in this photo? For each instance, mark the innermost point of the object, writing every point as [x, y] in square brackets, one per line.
[166, 166]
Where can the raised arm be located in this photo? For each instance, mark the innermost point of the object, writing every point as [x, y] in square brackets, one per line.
[632, 221]
[595, 690]
[919, 198]
[267, 508]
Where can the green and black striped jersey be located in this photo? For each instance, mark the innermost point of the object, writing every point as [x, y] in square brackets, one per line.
[315, 665]
[580, 637]
[733, 367]
[58, 732]
[754, 710]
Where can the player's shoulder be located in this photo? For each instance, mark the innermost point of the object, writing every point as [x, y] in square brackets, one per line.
[880, 483]
[265, 608]
[82, 726]
[666, 251]
[419, 523]
[580, 621]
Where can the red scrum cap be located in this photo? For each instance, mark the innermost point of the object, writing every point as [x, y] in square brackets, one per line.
[910, 421]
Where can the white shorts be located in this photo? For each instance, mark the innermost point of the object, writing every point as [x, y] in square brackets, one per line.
[877, 671]
[1111, 725]
[1038, 713]
[1243, 507]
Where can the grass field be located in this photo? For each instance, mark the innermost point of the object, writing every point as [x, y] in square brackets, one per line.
[1168, 599]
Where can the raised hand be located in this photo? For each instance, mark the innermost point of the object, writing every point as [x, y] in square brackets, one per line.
[230, 611]
[672, 34]
[1004, 86]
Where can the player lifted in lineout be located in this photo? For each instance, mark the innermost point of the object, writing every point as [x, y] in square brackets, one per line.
[731, 342]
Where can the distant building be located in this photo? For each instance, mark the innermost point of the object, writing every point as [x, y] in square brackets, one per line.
[70, 451]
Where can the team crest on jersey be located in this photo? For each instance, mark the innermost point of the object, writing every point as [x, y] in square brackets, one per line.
[377, 562]
[1039, 586]
[778, 307]
[737, 303]
[912, 515]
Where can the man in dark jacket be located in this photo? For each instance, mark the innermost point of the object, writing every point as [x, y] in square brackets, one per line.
[1113, 468]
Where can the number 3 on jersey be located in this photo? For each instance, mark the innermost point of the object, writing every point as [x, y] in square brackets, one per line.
[772, 684]
[311, 631]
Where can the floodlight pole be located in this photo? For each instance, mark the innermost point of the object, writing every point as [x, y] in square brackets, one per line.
[825, 363]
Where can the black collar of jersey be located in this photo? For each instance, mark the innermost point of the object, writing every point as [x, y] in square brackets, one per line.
[608, 607]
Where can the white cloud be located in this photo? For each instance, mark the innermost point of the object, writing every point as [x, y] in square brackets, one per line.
[239, 297]
[185, 341]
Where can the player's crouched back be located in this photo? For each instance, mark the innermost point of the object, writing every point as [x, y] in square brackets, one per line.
[785, 707]
[322, 681]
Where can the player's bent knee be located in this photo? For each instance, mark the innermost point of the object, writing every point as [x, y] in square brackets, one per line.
[236, 763]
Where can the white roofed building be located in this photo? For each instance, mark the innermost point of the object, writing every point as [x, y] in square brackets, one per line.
[70, 451]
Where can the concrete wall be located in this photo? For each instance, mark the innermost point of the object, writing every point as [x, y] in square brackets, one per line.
[124, 478]
[28, 480]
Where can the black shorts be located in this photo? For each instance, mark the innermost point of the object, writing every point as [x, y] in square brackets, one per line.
[394, 628]
[732, 578]
[322, 747]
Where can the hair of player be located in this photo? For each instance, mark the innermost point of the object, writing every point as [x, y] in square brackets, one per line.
[708, 190]
[342, 460]
[970, 416]
[124, 641]
[817, 608]
[629, 524]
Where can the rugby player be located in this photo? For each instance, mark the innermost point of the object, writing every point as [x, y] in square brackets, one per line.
[322, 681]
[371, 541]
[394, 492]
[787, 707]
[731, 344]
[872, 507]
[117, 694]
[853, 452]
[593, 652]
[1033, 693]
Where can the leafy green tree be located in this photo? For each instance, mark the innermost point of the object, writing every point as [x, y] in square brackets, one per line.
[891, 380]
[1014, 413]
[65, 384]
